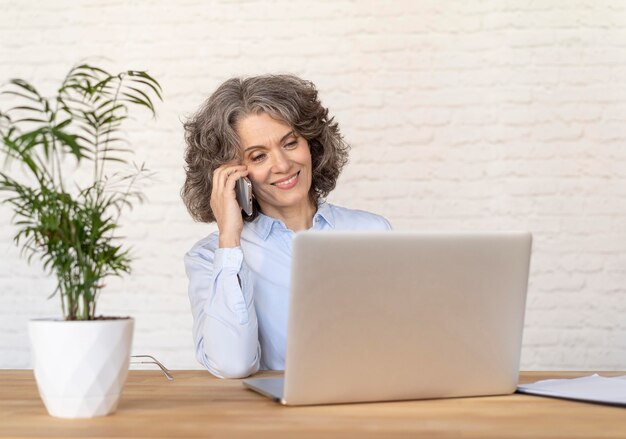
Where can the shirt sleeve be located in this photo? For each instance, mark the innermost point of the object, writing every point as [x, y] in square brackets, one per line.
[386, 224]
[225, 328]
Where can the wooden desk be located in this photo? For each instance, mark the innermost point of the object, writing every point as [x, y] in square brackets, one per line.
[197, 405]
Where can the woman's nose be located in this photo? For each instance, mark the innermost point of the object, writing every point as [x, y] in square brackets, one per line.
[281, 162]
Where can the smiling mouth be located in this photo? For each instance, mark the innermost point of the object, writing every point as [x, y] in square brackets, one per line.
[287, 183]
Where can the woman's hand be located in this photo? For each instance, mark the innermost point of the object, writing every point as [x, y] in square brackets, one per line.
[224, 203]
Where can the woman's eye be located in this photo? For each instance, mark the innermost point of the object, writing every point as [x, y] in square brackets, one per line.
[291, 145]
[258, 158]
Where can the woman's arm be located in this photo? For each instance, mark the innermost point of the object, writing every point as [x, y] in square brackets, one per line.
[225, 328]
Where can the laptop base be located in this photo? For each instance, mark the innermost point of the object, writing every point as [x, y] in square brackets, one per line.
[270, 387]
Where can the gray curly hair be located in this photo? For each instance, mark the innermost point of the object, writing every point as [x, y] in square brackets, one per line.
[212, 139]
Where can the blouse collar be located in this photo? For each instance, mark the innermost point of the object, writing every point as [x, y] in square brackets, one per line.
[263, 224]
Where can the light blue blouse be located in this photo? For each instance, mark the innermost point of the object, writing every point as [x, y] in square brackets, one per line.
[239, 296]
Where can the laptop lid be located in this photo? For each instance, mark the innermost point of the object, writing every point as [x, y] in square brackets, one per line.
[402, 315]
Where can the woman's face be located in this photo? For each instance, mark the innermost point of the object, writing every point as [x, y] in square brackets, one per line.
[278, 161]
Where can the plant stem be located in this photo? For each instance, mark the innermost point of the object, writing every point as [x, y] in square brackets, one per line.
[106, 141]
[60, 173]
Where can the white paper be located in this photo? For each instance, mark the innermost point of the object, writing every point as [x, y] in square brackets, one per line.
[594, 388]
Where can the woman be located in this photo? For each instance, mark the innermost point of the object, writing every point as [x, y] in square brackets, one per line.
[274, 131]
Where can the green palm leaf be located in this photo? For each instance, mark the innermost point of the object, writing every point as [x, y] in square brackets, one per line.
[73, 234]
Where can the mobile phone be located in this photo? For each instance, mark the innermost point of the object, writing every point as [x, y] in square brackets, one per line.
[243, 189]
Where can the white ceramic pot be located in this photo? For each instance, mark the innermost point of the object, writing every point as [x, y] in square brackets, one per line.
[80, 366]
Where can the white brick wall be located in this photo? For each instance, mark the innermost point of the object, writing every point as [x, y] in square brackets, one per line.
[463, 115]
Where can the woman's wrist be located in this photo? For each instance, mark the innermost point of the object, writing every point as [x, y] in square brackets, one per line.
[228, 241]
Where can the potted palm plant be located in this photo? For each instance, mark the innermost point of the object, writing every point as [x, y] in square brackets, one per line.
[72, 185]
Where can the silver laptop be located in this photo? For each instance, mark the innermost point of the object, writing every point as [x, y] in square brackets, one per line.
[380, 316]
